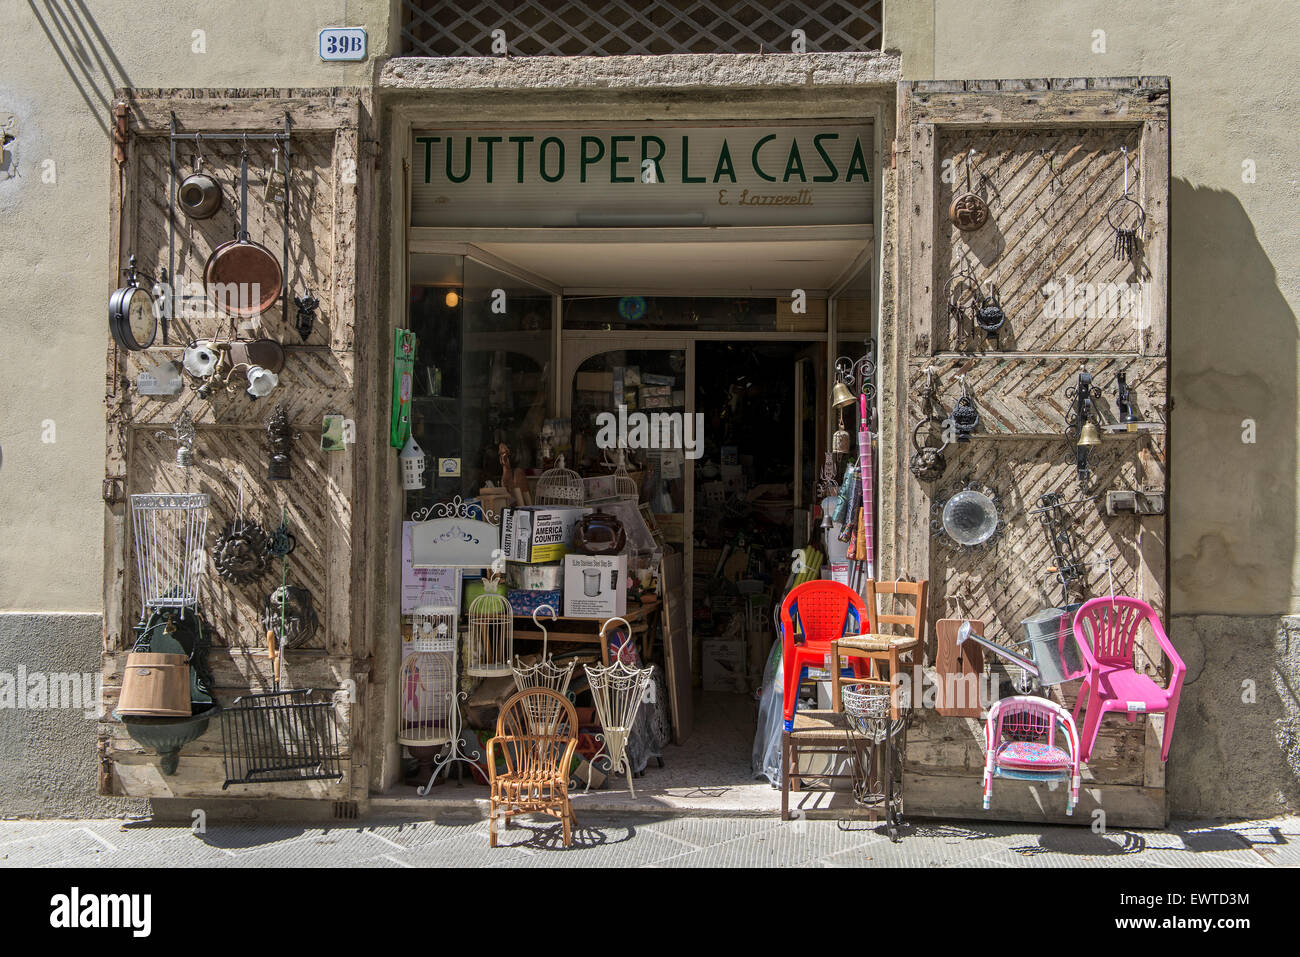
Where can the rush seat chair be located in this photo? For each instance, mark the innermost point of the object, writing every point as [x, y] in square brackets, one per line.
[1021, 742]
[1105, 629]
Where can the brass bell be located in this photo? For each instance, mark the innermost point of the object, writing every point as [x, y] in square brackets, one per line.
[1089, 435]
[842, 396]
[841, 442]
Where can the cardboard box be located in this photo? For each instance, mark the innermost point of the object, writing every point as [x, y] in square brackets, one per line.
[538, 533]
[725, 665]
[595, 586]
[595, 382]
[651, 378]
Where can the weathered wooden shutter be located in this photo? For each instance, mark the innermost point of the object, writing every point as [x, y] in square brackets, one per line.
[329, 180]
[1052, 152]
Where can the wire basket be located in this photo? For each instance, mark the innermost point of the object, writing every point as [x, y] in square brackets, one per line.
[868, 712]
[279, 736]
[169, 531]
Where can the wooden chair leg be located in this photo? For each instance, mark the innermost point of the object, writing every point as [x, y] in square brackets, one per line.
[893, 670]
[836, 706]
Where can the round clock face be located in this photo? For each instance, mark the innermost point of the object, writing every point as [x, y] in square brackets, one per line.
[140, 318]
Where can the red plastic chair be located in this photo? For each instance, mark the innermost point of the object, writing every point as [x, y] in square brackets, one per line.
[1105, 629]
[822, 608]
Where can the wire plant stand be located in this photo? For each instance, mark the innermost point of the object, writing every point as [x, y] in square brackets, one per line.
[169, 531]
[874, 784]
[280, 735]
[618, 692]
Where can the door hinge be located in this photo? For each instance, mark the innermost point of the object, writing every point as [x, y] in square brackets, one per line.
[119, 133]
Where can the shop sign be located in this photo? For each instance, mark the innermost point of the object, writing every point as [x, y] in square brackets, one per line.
[790, 175]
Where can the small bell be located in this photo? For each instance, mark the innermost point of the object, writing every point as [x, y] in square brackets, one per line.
[841, 441]
[1089, 435]
[842, 396]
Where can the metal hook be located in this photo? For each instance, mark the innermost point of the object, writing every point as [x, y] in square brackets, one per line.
[554, 616]
[1124, 150]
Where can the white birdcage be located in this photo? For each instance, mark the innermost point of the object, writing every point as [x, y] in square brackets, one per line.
[433, 628]
[617, 691]
[491, 641]
[412, 458]
[624, 486]
[169, 532]
[427, 685]
[560, 486]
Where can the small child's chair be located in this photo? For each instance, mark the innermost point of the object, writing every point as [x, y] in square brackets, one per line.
[1020, 741]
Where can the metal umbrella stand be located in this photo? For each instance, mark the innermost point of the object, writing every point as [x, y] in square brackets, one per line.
[618, 691]
[279, 735]
[543, 714]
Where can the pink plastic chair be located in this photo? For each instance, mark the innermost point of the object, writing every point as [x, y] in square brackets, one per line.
[1020, 743]
[824, 610]
[1105, 629]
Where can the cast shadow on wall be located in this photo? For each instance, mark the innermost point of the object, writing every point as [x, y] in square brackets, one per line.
[1233, 344]
[85, 53]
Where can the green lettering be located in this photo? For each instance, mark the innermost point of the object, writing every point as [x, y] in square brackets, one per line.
[428, 142]
[585, 159]
[834, 173]
[489, 141]
[519, 169]
[724, 156]
[615, 159]
[754, 157]
[464, 175]
[857, 163]
[794, 163]
[686, 158]
[659, 173]
[541, 160]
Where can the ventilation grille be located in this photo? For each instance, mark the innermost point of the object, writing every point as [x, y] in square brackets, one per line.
[346, 810]
[636, 27]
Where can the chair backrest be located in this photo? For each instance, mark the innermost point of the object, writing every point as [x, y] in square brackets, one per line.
[915, 621]
[1029, 718]
[823, 610]
[542, 723]
[1107, 627]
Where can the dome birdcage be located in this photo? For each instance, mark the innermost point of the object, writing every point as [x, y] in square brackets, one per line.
[433, 628]
[560, 486]
[491, 641]
[426, 684]
[624, 486]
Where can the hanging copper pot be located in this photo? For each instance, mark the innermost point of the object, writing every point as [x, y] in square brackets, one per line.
[243, 278]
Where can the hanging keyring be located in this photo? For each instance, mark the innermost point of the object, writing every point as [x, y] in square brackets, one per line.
[1125, 236]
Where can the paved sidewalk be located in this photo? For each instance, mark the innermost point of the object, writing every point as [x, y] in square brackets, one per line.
[643, 841]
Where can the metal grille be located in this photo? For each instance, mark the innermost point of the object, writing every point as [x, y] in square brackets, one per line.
[636, 27]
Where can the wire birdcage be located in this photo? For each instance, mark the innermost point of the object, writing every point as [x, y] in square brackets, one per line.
[624, 486]
[617, 691]
[491, 642]
[433, 628]
[169, 532]
[560, 486]
[427, 685]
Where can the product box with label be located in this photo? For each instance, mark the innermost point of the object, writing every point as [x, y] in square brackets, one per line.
[526, 602]
[725, 665]
[538, 533]
[595, 586]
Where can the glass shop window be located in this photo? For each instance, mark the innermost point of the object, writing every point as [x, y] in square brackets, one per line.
[693, 314]
[482, 374]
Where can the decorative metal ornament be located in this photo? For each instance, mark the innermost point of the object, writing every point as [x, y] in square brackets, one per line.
[968, 211]
[968, 518]
[183, 434]
[306, 314]
[290, 612]
[242, 552]
[1119, 216]
[281, 437]
[962, 294]
[989, 315]
[927, 462]
[965, 417]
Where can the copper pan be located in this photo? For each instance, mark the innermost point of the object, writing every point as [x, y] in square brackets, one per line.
[241, 265]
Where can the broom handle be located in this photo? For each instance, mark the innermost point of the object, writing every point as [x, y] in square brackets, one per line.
[275, 657]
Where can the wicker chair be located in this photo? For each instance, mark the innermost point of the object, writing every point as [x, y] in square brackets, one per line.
[537, 735]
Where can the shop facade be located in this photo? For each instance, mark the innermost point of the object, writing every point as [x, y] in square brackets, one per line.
[680, 217]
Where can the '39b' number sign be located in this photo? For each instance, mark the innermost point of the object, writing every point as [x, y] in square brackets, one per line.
[343, 43]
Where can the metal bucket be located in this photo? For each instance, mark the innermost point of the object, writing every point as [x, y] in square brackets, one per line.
[1050, 637]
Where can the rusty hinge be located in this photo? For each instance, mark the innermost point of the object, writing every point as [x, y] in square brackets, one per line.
[119, 133]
